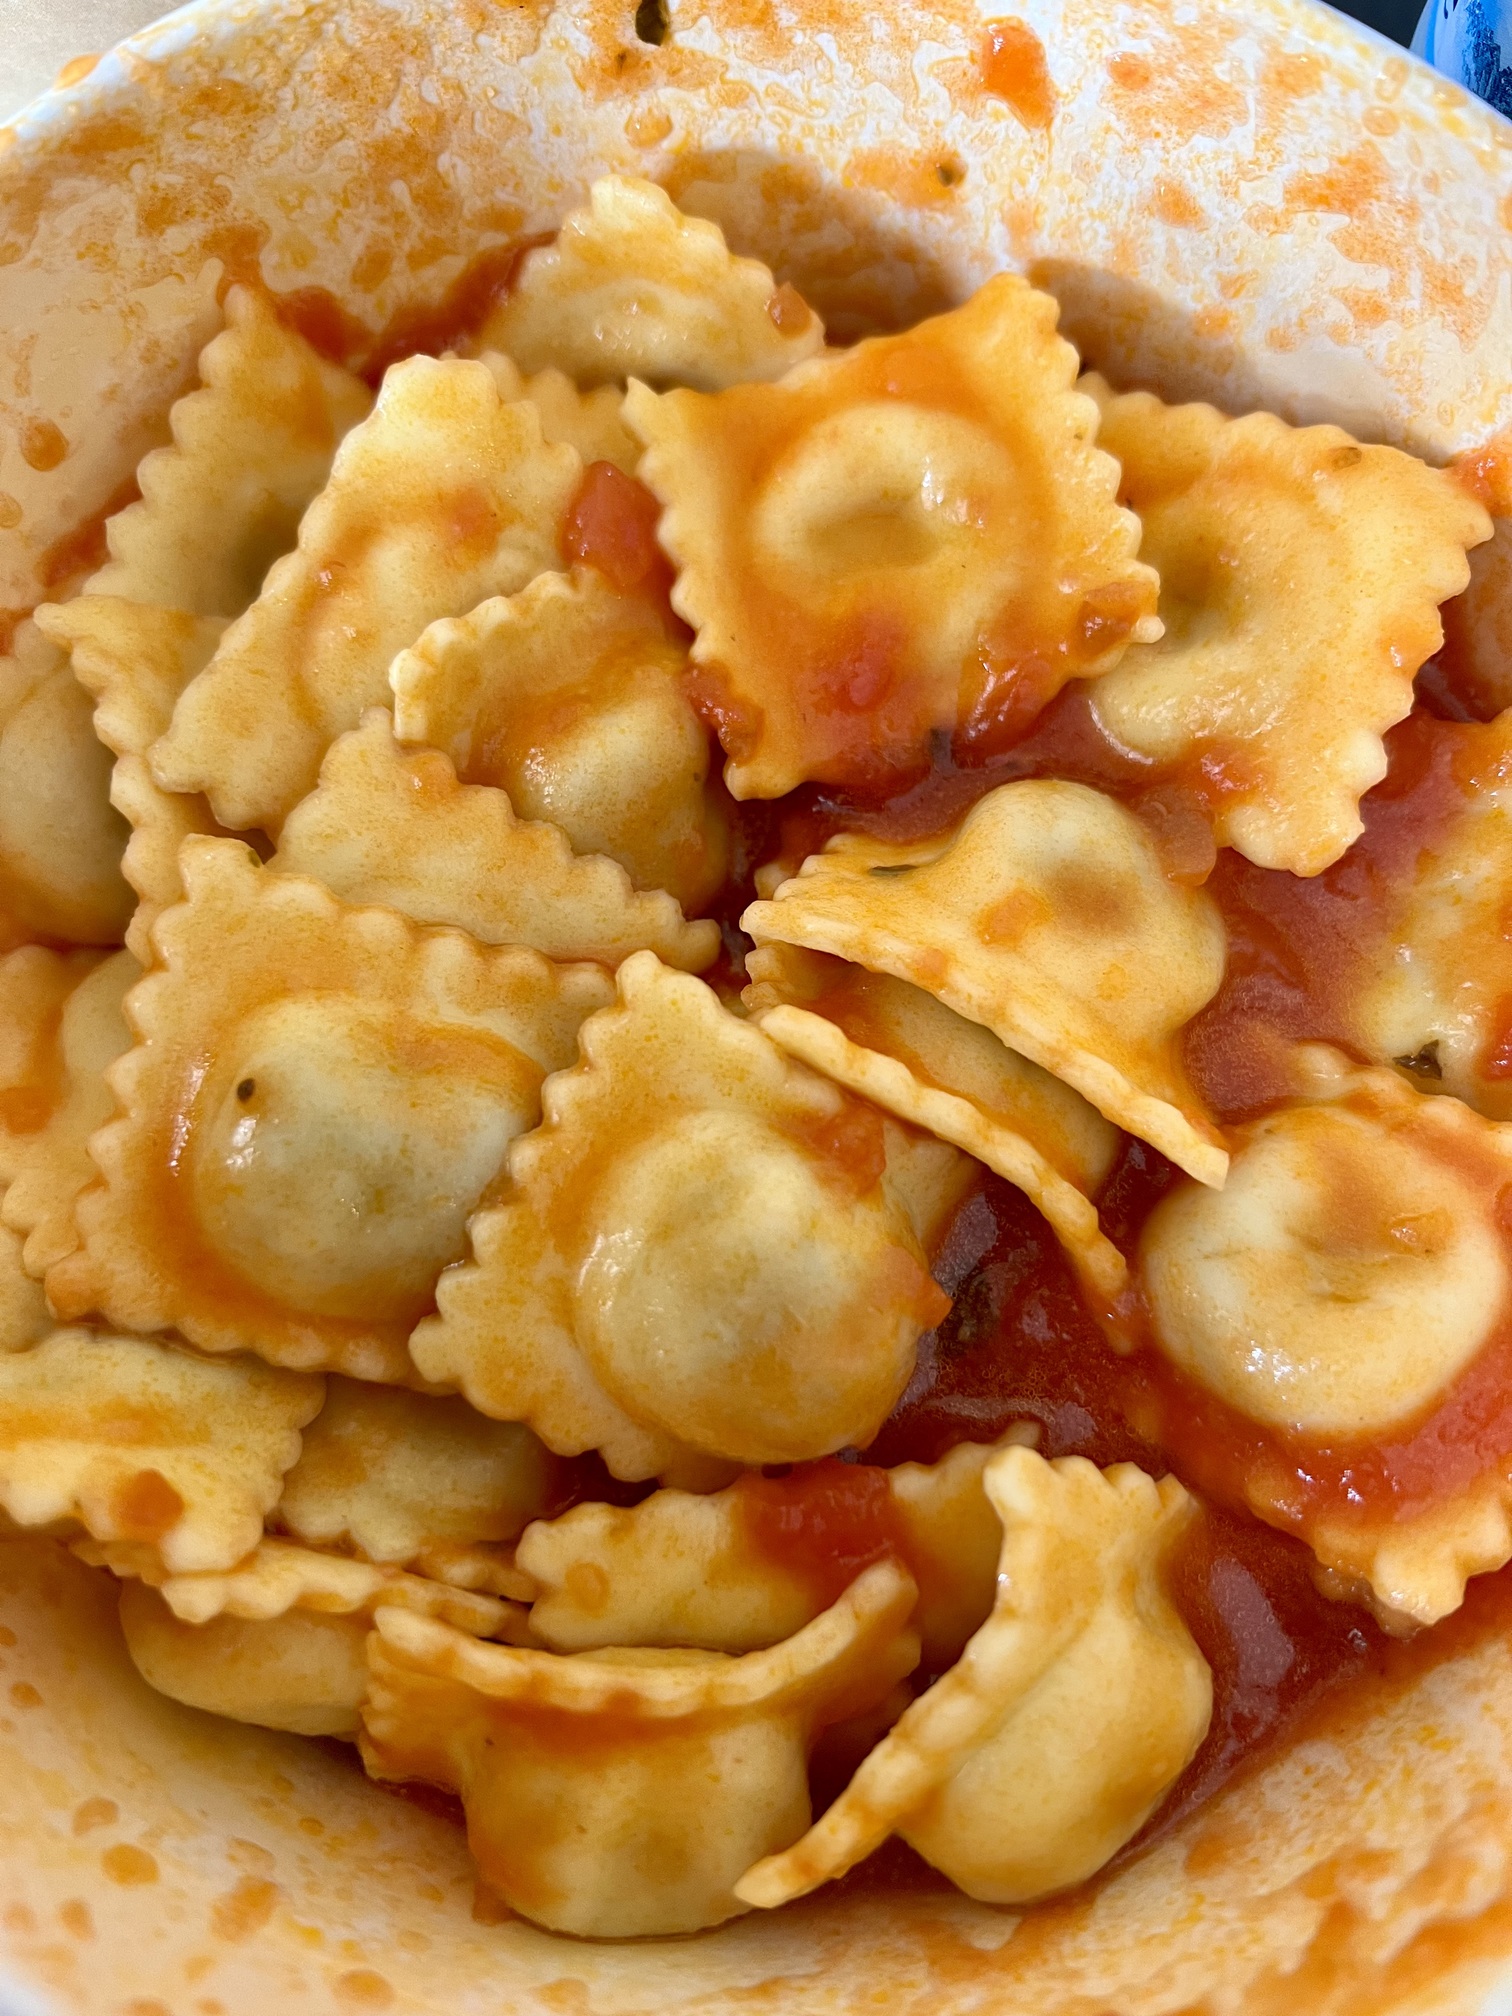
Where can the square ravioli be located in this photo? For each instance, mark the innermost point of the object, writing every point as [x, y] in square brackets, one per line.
[632, 288]
[1069, 1715]
[61, 840]
[61, 1027]
[252, 446]
[910, 540]
[446, 494]
[147, 1445]
[391, 824]
[679, 1767]
[700, 1249]
[894, 1044]
[1046, 916]
[136, 660]
[318, 1100]
[570, 697]
[1339, 1323]
[1273, 685]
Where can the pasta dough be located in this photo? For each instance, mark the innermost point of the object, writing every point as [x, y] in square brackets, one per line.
[393, 825]
[1068, 1717]
[631, 288]
[677, 1767]
[146, 1444]
[912, 538]
[319, 1099]
[1047, 917]
[24, 1317]
[698, 1249]
[445, 495]
[569, 697]
[1272, 682]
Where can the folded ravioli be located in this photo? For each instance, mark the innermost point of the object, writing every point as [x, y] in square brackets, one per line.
[392, 825]
[136, 660]
[909, 539]
[1064, 1723]
[60, 838]
[676, 1767]
[445, 495]
[734, 1570]
[592, 422]
[569, 696]
[1335, 1297]
[319, 1098]
[698, 1249]
[1047, 917]
[252, 446]
[24, 1316]
[906, 1051]
[61, 1027]
[424, 1482]
[1439, 984]
[631, 288]
[305, 1671]
[1300, 578]
[146, 1444]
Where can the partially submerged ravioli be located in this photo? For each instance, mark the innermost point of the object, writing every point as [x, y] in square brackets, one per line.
[402, 1477]
[390, 824]
[1300, 578]
[319, 1098]
[677, 1768]
[136, 660]
[445, 495]
[913, 538]
[61, 1027]
[145, 1444]
[906, 1051]
[251, 447]
[1338, 1296]
[569, 696]
[1048, 918]
[60, 838]
[698, 1249]
[1064, 1723]
[631, 288]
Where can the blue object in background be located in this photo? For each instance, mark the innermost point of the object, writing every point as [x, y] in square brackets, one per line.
[1471, 42]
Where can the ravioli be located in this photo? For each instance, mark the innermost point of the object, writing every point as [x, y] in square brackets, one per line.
[912, 539]
[892, 1043]
[392, 825]
[698, 1249]
[677, 1767]
[569, 696]
[631, 288]
[1351, 1272]
[592, 422]
[305, 1671]
[445, 495]
[424, 1483]
[136, 660]
[24, 1315]
[685, 1569]
[60, 838]
[1066, 1720]
[61, 1027]
[148, 1445]
[1300, 581]
[251, 448]
[1046, 917]
[319, 1098]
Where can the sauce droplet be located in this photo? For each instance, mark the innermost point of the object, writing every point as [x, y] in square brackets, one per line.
[128, 1865]
[43, 444]
[1014, 69]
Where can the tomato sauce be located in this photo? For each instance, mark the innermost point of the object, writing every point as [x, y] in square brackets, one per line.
[611, 525]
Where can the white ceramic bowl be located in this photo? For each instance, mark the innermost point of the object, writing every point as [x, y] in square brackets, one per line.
[1259, 203]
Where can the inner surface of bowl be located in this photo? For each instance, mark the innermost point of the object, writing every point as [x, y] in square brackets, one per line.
[1262, 207]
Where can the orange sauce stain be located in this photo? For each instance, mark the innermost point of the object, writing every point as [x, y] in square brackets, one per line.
[788, 312]
[75, 1917]
[1173, 203]
[853, 1144]
[243, 1910]
[1013, 66]
[916, 181]
[11, 513]
[824, 1521]
[611, 525]
[129, 1866]
[24, 1695]
[74, 71]
[648, 126]
[83, 549]
[1486, 472]
[92, 1813]
[43, 445]
[146, 1506]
